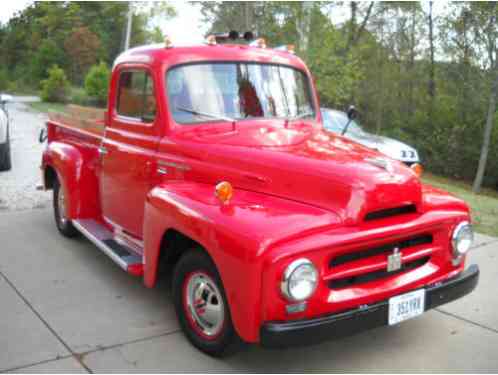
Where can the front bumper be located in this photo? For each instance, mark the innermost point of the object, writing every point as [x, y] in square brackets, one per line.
[365, 317]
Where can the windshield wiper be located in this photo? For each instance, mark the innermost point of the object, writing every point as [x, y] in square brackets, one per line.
[304, 114]
[206, 114]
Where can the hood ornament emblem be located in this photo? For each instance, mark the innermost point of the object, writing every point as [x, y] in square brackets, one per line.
[382, 163]
[394, 261]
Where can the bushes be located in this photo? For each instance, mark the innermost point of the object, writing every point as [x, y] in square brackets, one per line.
[4, 81]
[97, 83]
[56, 87]
[48, 54]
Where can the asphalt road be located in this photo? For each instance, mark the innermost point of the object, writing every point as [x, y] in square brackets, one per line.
[66, 307]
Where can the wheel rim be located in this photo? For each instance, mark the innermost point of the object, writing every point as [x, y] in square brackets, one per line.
[61, 206]
[204, 305]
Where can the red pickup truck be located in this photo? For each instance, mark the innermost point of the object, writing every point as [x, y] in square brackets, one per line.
[211, 161]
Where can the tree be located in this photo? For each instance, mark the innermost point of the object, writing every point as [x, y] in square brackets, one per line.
[432, 81]
[139, 16]
[484, 17]
[97, 82]
[83, 47]
[48, 54]
[55, 88]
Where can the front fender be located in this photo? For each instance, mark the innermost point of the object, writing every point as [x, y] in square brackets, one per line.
[237, 236]
[76, 170]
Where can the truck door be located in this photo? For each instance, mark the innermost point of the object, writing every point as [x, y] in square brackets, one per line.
[128, 149]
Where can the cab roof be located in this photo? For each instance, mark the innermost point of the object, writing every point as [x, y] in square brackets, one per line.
[158, 54]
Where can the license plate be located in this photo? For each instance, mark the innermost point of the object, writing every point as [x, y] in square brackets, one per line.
[406, 306]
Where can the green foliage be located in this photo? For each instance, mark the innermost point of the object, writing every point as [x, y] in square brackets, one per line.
[97, 82]
[4, 79]
[83, 47]
[378, 60]
[80, 97]
[48, 54]
[73, 35]
[56, 87]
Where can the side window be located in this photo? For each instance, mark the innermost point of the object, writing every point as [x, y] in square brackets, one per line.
[136, 95]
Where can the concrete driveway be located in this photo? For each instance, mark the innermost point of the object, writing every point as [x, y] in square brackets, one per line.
[66, 307]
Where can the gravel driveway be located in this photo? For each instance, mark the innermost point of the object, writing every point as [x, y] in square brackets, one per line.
[18, 186]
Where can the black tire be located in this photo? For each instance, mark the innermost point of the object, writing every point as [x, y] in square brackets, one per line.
[227, 342]
[5, 160]
[64, 225]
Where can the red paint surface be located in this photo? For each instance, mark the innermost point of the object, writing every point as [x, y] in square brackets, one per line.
[297, 192]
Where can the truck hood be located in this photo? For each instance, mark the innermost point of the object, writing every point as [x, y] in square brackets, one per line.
[305, 164]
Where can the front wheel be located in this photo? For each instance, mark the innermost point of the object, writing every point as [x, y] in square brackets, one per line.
[201, 305]
[63, 223]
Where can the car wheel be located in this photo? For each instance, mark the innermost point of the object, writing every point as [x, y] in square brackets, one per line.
[201, 305]
[5, 160]
[63, 223]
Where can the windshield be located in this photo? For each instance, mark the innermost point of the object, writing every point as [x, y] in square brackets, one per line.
[336, 121]
[223, 91]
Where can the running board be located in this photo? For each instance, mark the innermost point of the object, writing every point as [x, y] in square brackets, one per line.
[103, 238]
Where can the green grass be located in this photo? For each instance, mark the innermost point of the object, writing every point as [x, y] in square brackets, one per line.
[484, 206]
[46, 107]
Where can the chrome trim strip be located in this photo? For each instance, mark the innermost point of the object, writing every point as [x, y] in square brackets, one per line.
[120, 232]
[102, 246]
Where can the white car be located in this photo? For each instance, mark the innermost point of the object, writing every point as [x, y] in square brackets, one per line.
[335, 121]
[5, 162]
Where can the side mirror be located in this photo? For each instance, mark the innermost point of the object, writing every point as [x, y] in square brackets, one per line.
[42, 137]
[352, 112]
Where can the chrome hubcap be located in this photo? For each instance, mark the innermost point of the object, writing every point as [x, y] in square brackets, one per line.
[205, 304]
[61, 206]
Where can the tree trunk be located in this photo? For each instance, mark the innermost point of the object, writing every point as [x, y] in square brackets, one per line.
[128, 27]
[487, 134]
[248, 16]
[303, 27]
[432, 82]
[412, 77]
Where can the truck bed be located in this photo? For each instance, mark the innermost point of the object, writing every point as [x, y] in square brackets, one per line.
[88, 120]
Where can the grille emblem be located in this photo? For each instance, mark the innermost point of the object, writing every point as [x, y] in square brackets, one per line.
[394, 260]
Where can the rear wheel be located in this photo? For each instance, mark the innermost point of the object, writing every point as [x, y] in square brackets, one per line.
[5, 160]
[201, 305]
[64, 225]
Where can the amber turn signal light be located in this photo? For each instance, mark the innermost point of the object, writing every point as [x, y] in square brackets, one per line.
[224, 191]
[418, 169]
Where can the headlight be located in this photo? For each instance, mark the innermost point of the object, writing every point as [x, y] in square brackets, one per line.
[299, 280]
[462, 239]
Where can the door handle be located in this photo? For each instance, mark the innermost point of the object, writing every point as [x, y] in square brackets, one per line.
[102, 150]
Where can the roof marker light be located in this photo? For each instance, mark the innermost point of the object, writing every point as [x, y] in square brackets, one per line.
[260, 43]
[211, 40]
[167, 42]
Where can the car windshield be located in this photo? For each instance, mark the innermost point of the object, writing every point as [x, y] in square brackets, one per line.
[336, 121]
[236, 91]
